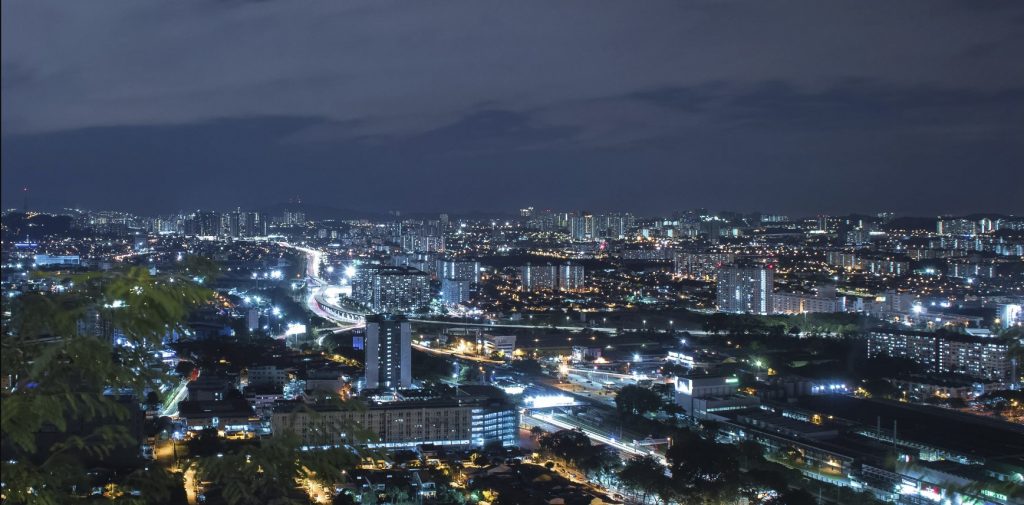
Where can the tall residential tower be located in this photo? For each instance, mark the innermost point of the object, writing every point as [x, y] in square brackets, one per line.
[388, 352]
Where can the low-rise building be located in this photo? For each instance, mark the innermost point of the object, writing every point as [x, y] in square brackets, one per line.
[472, 416]
[499, 343]
[233, 415]
[701, 396]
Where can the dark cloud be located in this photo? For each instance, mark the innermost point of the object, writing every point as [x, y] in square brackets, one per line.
[796, 106]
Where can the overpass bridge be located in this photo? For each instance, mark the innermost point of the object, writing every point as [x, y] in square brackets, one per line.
[336, 312]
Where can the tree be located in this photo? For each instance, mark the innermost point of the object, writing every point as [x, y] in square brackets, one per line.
[343, 498]
[153, 400]
[600, 463]
[184, 368]
[470, 373]
[536, 432]
[62, 364]
[794, 497]
[704, 468]
[637, 400]
[266, 473]
[570, 445]
[206, 443]
[643, 474]
[527, 366]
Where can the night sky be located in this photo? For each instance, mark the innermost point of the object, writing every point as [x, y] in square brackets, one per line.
[797, 107]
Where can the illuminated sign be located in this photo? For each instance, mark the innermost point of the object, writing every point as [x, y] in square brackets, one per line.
[540, 402]
[513, 389]
[993, 494]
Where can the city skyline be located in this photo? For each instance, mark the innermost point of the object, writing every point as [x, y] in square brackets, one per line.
[509, 253]
[274, 212]
[801, 108]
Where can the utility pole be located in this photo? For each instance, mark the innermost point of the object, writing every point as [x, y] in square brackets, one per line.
[894, 449]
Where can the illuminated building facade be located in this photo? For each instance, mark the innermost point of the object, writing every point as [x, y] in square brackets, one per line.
[386, 288]
[986, 358]
[388, 352]
[746, 289]
[701, 265]
[475, 416]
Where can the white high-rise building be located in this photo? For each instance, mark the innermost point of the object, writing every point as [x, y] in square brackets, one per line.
[388, 352]
[460, 270]
[746, 289]
[570, 277]
[539, 277]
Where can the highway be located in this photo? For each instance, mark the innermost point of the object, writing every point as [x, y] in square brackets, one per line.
[565, 422]
[526, 326]
[170, 407]
[313, 259]
[557, 421]
[453, 354]
[317, 286]
[548, 385]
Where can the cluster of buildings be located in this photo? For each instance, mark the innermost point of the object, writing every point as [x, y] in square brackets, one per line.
[581, 226]
[459, 280]
[962, 274]
[895, 451]
[549, 277]
[980, 357]
[235, 224]
[389, 412]
[398, 415]
[750, 289]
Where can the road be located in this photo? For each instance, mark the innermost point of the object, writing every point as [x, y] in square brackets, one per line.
[313, 259]
[453, 354]
[563, 422]
[526, 326]
[550, 385]
[191, 486]
[170, 407]
[316, 285]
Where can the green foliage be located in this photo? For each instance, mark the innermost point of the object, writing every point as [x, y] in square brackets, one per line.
[645, 476]
[637, 400]
[808, 324]
[570, 445]
[701, 467]
[267, 473]
[527, 366]
[58, 350]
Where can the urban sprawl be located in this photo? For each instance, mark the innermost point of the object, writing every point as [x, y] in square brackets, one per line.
[539, 357]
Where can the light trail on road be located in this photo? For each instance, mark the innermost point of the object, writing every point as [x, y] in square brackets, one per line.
[600, 437]
[528, 326]
[178, 394]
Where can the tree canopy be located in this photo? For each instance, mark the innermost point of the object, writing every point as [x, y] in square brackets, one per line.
[74, 357]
